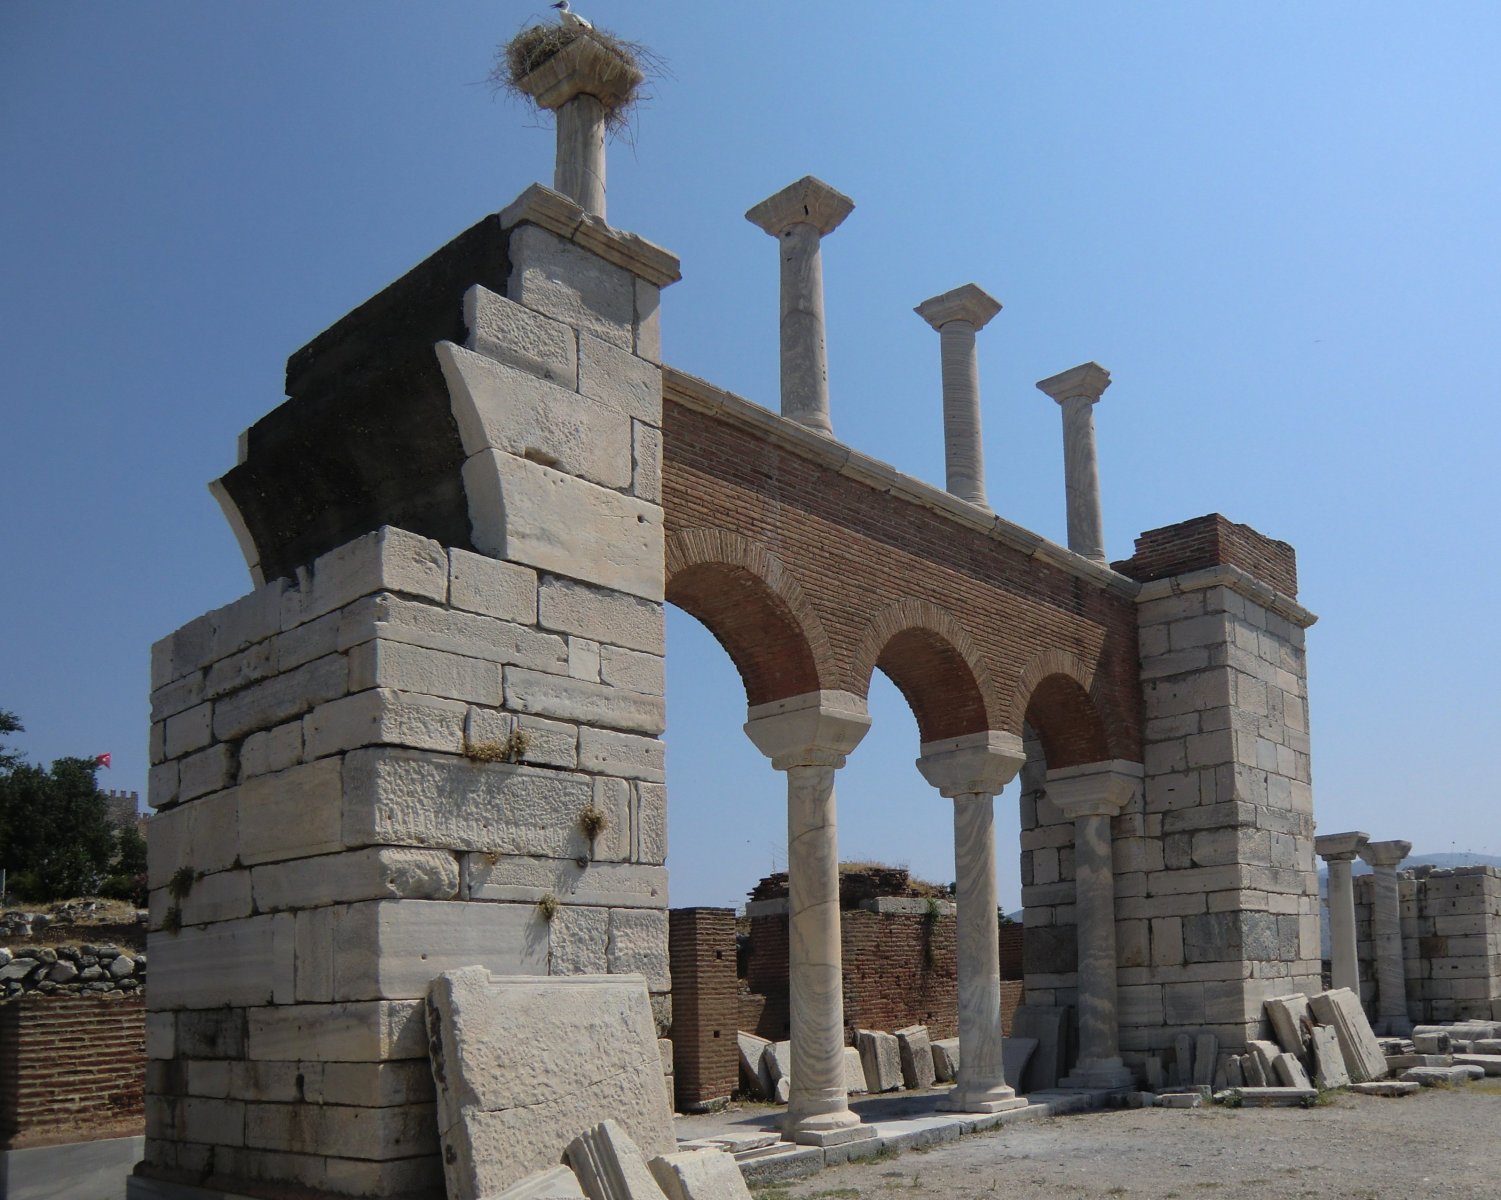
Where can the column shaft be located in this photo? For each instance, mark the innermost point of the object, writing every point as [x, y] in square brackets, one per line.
[805, 361]
[1343, 968]
[579, 172]
[963, 456]
[1081, 479]
[1094, 882]
[1391, 973]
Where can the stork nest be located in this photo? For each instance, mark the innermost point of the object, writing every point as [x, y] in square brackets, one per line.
[532, 47]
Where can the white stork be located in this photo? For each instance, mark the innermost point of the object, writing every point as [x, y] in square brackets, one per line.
[571, 19]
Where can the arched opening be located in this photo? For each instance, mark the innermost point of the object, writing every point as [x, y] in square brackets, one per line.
[1066, 722]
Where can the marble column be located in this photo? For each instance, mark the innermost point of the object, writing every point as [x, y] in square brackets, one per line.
[1077, 391]
[1386, 928]
[958, 315]
[808, 737]
[583, 84]
[971, 771]
[1092, 795]
[1339, 850]
[799, 217]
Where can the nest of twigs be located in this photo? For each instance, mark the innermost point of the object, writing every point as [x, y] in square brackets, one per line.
[533, 46]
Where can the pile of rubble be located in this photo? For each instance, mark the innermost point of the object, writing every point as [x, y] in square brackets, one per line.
[71, 970]
[1323, 1042]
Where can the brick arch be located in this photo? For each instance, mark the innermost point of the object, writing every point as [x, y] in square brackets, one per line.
[754, 608]
[1060, 696]
[934, 663]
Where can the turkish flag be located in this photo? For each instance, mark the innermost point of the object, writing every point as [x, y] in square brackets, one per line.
[101, 760]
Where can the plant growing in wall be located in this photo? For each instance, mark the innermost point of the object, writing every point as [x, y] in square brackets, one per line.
[593, 821]
[932, 910]
[509, 750]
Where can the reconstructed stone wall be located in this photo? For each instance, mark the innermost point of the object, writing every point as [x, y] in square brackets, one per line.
[1451, 942]
[71, 1066]
[70, 970]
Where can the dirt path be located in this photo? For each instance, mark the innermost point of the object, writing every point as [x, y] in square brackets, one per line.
[1439, 1143]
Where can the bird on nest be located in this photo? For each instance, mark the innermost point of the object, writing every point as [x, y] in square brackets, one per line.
[570, 19]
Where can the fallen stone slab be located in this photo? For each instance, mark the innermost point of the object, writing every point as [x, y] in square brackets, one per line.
[1329, 1069]
[1266, 1054]
[1275, 1097]
[1489, 1063]
[1049, 1027]
[610, 1166]
[1251, 1068]
[1016, 1053]
[946, 1059]
[1181, 1073]
[1206, 1056]
[781, 1162]
[558, 1183]
[1235, 1076]
[699, 1175]
[1291, 1018]
[1156, 1076]
[1180, 1100]
[882, 1059]
[1290, 1072]
[917, 1056]
[753, 1071]
[741, 1143]
[1385, 1087]
[523, 1063]
[1432, 1043]
[1483, 1046]
[777, 1059]
[1340, 1007]
[854, 1072]
[1404, 1062]
[1437, 1076]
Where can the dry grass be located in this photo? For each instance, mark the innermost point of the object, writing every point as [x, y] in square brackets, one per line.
[533, 46]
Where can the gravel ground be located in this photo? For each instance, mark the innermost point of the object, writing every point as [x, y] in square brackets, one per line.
[1437, 1143]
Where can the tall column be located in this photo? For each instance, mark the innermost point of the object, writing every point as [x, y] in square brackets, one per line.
[958, 315]
[808, 737]
[1077, 391]
[1339, 850]
[971, 771]
[1386, 926]
[583, 83]
[1092, 795]
[799, 217]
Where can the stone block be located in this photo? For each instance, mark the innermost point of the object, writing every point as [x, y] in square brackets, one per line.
[1206, 1055]
[210, 770]
[526, 880]
[579, 941]
[385, 560]
[407, 668]
[555, 1183]
[370, 1031]
[882, 1059]
[176, 697]
[489, 587]
[776, 1061]
[638, 945]
[623, 755]
[610, 1166]
[311, 640]
[279, 699]
[753, 1071]
[271, 750]
[161, 785]
[619, 380]
[389, 618]
[1276, 1097]
[358, 1132]
[632, 670]
[237, 963]
[202, 835]
[576, 700]
[291, 814]
[646, 462]
[558, 279]
[946, 1060]
[521, 1064]
[383, 717]
[607, 616]
[369, 1084]
[375, 873]
[1328, 1060]
[222, 896]
[510, 333]
[240, 670]
[649, 810]
[1290, 1071]
[1432, 1043]
[1016, 1053]
[916, 1056]
[1489, 1063]
[648, 321]
[1341, 1009]
[1291, 1020]
[189, 731]
[1048, 1026]
[854, 1072]
[699, 1175]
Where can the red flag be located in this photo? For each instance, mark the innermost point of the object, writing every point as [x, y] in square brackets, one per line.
[101, 760]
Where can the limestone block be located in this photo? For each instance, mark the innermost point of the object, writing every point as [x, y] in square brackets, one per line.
[527, 880]
[1328, 1060]
[579, 941]
[207, 771]
[190, 730]
[507, 332]
[646, 462]
[638, 945]
[1206, 1055]
[410, 797]
[650, 813]
[273, 749]
[610, 1166]
[583, 659]
[375, 873]
[359, 1133]
[161, 785]
[623, 755]
[177, 696]
[854, 1072]
[240, 963]
[1386, 1087]
[389, 618]
[586, 703]
[699, 1175]
[407, 668]
[882, 1059]
[370, 1031]
[777, 1062]
[1489, 1063]
[569, 284]
[529, 513]
[308, 641]
[385, 560]
[492, 588]
[1436, 1076]
[1291, 1018]
[240, 670]
[291, 814]
[222, 896]
[1276, 1097]
[279, 699]
[1432, 1043]
[382, 716]
[498, 407]
[916, 1055]
[648, 321]
[1016, 1053]
[1341, 1009]
[603, 614]
[753, 1071]
[1290, 1071]
[1253, 1071]
[522, 1063]
[945, 1059]
[632, 670]
[620, 380]
[202, 835]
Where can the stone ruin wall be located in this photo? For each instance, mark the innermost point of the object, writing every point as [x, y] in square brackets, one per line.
[1451, 942]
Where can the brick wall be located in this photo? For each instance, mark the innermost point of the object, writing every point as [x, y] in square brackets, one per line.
[71, 1062]
[1210, 541]
[701, 945]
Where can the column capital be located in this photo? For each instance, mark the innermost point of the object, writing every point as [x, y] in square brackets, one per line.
[809, 201]
[584, 66]
[1385, 854]
[967, 303]
[1339, 847]
[815, 729]
[972, 764]
[1099, 789]
[1087, 381]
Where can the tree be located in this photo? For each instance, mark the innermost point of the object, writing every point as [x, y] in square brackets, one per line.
[56, 839]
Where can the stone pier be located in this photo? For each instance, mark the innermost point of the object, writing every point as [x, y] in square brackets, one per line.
[800, 216]
[957, 316]
[808, 737]
[1339, 850]
[971, 771]
[1077, 391]
[1386, 923]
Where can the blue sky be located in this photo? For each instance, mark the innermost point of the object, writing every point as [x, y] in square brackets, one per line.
[1274, 222]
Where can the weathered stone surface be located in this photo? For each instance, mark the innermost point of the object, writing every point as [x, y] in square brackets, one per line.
[382, 717]
[1432, 1043]
[1328, 1060]
[1048, 1027]
[1290, 1071]
[1016, 1053]
[484, 585]
[291, 814]
[854, 1072]
[602, 885]
[242, 963]
[556, 1183]
[607, 616]
[521, 1064]
[1276, 1097]
[376, 873]
[1290, 1017]
[699, 1175]
[638, 945]
[474, 635]
[387, 560]
[777, 1061]
[610, 1165]
[1340, 1008]
[623, 755]
[1434, 1076]
[1386, 1087]
[1489, 1063]
[753, 1072]
[946, 1060]
[578, 700]
[882, 1059]
[570, 284]
[407, 668]
[1206, 1055]
[507, 332]
[916, 1055]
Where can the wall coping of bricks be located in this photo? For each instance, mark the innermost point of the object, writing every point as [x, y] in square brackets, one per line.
[1212, 540]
